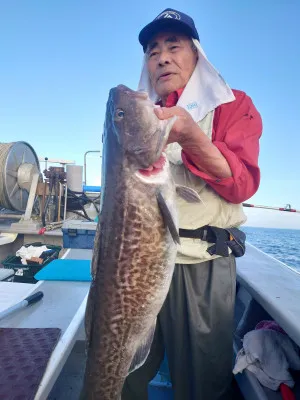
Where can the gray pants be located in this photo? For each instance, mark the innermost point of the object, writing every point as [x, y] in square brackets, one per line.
[195, 327]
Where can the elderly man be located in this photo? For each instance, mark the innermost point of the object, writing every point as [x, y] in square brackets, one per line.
[213, 148]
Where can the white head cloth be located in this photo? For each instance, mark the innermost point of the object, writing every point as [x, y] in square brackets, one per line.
[204, 92]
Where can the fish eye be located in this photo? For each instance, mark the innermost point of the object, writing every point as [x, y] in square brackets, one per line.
[119, 114]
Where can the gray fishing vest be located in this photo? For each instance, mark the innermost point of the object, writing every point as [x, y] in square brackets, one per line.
[213, 209]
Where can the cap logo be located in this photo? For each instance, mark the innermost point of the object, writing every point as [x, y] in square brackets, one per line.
[169, 14]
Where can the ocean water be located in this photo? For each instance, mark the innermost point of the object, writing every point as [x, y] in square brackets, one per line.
[283, 244]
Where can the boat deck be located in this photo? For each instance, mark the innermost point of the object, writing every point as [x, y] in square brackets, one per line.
[68, 385]
[63, 306]
[69, 382]
[267, 289]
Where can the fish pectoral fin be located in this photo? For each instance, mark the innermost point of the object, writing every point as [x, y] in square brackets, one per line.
[188, 194]
[167, 217]
[143, 350]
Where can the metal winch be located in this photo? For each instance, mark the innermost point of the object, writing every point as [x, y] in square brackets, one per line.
[18, 164]
[39, 200]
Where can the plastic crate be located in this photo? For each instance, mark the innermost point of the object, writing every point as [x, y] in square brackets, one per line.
[6, 275]
[79, 234]
[25, 273]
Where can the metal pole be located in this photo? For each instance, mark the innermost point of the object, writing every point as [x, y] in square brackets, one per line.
[10, 216]
[65, 205]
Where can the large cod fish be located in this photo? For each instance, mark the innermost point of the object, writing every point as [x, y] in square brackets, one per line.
[135, 243]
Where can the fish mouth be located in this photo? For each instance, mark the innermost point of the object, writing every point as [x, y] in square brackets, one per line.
[155, 168]
[155, 172]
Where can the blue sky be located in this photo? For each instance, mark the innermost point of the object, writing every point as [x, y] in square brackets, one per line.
[59, 59]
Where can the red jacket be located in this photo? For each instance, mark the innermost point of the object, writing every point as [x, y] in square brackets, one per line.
[237, 127]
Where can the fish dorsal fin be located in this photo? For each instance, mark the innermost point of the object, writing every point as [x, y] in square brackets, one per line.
[143, 350]
[188, 194]
[167, 217]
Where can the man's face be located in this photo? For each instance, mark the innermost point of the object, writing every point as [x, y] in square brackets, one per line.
[171, 62]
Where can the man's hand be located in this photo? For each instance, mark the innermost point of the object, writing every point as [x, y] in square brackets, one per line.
[183, 128]
[203, 153]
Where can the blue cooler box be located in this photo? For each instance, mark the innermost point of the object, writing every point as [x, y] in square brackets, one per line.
[160, 388]
[79, 234]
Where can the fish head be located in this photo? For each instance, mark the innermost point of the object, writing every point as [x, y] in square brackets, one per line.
[141, 135]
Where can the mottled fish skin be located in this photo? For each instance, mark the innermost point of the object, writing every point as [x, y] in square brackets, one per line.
[134, 253]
